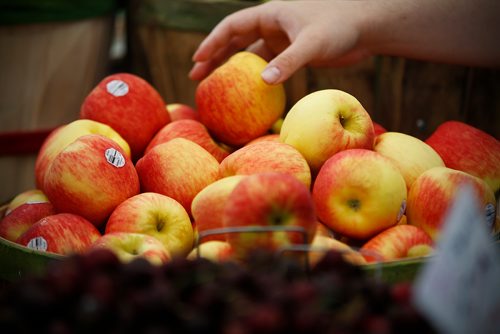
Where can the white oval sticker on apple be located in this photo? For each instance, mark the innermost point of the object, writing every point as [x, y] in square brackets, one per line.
[38, 243]
[117, 88]
[114, 157]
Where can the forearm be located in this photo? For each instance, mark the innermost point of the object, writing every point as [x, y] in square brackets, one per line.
[453, 31]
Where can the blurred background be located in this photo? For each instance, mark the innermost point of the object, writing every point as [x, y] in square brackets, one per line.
[52, 53]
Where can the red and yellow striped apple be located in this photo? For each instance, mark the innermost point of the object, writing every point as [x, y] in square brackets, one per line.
[130, 105]
[19, 220]
[397, 242]
[90, 177]
[267, 156]
[157, 215]
[194, 131]
[325, 122]
[235, 103]
[179, 169]
[269, 200]
[178, 111]
[62, 233]
[469, 149]
[26, 196]
[433, 192]
[411, 155]
[358, 193]
[213, 250]
[65, 135]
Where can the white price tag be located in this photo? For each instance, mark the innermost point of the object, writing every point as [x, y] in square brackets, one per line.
[459, 290]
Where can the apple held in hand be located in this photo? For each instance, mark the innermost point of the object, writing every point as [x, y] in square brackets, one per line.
[178, 111]
[235, 104]
[156, 215]
[129, 246]
[359, 193]
[471, 150]
[269, 200]
[208, 206]
[191, 130]
[267, 156]
[62, 233]
[397, 242]
[179, 169]
[19, 220]
[90, 177]
[411, 155]
[433, 192]
[325, 122]
[130, 105]
[65, 135]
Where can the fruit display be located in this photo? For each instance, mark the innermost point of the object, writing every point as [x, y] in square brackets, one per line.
[239, 172]
[96, 292]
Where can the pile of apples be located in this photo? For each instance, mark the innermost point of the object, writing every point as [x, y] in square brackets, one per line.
[144, 178]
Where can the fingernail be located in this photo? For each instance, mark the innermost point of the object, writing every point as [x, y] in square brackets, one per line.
[271, 74]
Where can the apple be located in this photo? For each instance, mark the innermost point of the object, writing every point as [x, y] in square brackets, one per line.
[411, 155]
[208, 206]
[179, 169]
[157, 215]
[397, 242]
[62, 233]
[26, 196]
[325, 122]
[213, 250]
[269, 200]
[17, 221]
[64, 135]
[178, 111]
[130, 105]
[235, 103]
[194, 131]
[471, 150]
[129, 246]
[358, 193]
[433, 192]
[323, 243]
[267, 156]
[90, 177]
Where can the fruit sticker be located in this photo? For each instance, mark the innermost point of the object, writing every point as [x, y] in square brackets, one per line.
[114, 157]
[402, 210]
[117, 88]
[38, 243]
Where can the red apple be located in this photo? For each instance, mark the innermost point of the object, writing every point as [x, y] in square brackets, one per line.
[358, 193]
[323, 243]
[269, 136]
[433, 192]
[157, 215]
[65, 135]
[192, 130]
[178, 111]
[62, 233]
[269, 200]
[267, 156]
[378, 128]
[397, 242]
[129, 246]
[179, 169]
[208, 206]
[471, 150]
[17, 221]
[235, 103]
[90, 177]
[130, 105]
[213, 250]
[325, 122]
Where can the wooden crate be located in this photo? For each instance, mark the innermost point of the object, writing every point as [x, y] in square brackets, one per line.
[47, 70]
[403, 95]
